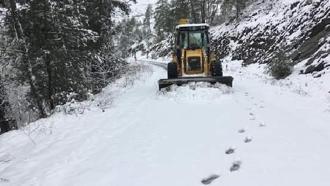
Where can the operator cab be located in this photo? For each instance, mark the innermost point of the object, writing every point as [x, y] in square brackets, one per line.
[192, 49]
[192, 36]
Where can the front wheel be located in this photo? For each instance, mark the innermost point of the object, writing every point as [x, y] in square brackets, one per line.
[217, 69]
[172, 70]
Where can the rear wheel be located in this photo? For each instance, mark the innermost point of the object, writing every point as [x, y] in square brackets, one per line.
[172, 70]
[217, 69]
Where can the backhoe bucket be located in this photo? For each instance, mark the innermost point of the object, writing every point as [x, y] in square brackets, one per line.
[226, 80]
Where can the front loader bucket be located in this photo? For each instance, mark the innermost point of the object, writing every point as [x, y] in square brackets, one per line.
[226, 80]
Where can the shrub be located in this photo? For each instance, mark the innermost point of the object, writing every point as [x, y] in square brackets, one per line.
[280, 66]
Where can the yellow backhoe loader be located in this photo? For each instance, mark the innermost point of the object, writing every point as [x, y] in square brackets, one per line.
[193, 60]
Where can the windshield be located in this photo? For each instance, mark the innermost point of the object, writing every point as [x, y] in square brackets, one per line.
[193, 40]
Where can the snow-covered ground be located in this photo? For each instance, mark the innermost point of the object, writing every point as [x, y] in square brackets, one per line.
[273, 134]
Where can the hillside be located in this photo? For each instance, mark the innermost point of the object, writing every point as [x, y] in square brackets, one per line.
[298, 27]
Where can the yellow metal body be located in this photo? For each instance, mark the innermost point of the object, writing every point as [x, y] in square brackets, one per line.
[205, 59]
[183, 21]
[201, 55]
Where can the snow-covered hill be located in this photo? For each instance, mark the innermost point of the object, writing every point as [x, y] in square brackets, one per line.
[258, 133]
[299, 27]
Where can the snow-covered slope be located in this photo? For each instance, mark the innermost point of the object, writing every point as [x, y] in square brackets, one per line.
[298, 27]
[269, 133]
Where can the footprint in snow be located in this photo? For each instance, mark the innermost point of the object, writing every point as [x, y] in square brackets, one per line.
[235, 166]
[4, 180]
[230, 151]
[248, 140]
[210, 179]
[262, 125]
[5, 159]
[241, 131]
[252, 116]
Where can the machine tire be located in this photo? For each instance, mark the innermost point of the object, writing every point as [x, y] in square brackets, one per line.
[172, 70]
[217, 69]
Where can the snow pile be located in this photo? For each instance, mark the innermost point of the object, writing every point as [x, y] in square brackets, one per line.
[299, 27]
[198, 92]
[104, 100]
[301, 84]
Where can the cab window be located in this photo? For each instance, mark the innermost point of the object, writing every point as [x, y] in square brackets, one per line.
[192, 40]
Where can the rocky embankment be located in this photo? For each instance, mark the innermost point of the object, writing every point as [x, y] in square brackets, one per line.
[300, 28]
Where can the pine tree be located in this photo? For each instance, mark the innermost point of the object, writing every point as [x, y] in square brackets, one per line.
[7, 122]
[57, 51]
[147, 32]
[3, 120]
[65, 48]
[147, 19]
[130, 36]
[211, 9]
[164, 22]
[232, 9]
[181, 9]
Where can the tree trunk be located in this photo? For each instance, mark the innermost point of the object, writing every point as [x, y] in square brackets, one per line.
[3, 125]
[7, 123]
[20, 36]
[17, 25]
[41, 108]
[193, 11]
[50, 83]
[203, 11]
[238, 9]
[212, 7]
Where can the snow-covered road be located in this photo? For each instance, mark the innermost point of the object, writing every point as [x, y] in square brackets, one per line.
[273, 135]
